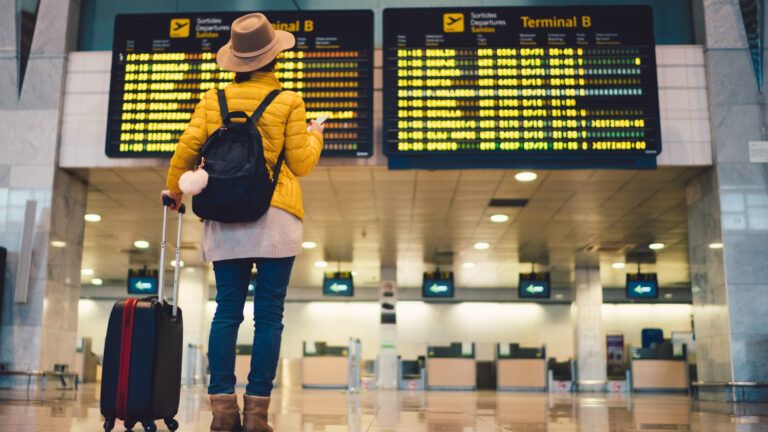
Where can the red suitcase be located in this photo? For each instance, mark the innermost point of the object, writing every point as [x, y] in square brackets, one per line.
[141, 378]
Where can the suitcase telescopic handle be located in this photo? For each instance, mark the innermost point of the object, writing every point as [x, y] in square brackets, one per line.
[167, 203]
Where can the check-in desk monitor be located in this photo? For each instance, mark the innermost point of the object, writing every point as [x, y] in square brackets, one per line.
[451, 367]
[659, 369]
[520, 368]
[325, 366]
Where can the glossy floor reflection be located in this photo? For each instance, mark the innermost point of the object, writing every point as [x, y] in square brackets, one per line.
[296, 410]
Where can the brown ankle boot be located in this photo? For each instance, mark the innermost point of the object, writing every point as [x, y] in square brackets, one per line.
[226, 413]
[255, 414]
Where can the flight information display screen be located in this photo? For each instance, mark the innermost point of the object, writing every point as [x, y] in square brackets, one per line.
[535, 87]
[163, 63]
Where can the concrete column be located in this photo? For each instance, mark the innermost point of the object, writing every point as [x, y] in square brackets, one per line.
[40, 332]
[387, 360]
[193, 299]
[589, 338]
[728, 204]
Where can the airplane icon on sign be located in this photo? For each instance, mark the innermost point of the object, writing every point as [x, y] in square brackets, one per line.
[453, 20]
[179, 27]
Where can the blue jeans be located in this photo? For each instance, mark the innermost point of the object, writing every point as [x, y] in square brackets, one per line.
[232, 278]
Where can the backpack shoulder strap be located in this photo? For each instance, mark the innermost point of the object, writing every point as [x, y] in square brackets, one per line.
[222, 103]
[255, 117]
[264, 104]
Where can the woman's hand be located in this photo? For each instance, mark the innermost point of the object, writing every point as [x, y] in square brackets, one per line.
[176, 197]
[316, 127]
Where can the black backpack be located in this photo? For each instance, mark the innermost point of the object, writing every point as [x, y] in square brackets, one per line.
[239, 186]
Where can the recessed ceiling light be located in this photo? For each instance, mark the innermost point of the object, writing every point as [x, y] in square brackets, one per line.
[181, 263]
[58, 243]
[96, 281]
[189, 269]
[86, 272]
[321, 264]
[469, 265]
[656, 246]
[92, 217]
[618, 265]
[482, 245]
[716, 245]
[499, 218]
[309, 245]
[668, 295]
[558, 296]
[141, 244]
[526, 176]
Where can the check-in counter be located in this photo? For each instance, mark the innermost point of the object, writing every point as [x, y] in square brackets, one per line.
[325, 366]
[452, 367]
[561, 376]
[412, 374]
[521, 369]
[658, 369]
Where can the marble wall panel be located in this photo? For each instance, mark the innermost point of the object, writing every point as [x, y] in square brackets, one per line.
[723, 89]
[750, 351]
[41, 332]
[5, 179]
[9, 94]
[20, 346]
[722, 20]
[42, 86]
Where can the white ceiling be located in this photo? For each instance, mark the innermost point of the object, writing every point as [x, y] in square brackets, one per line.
[366, 217]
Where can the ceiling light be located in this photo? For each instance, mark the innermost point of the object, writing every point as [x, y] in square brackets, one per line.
[321, 264]
[189, 269]
[96, 281]
[618, 265]
[499, 218]
[668, 296]
[656, 246]
[141, 244]
[716, 245]
[86, 272]
[469, 265]
[309, 245]
[558, 296]
[482, 245]
[58, 243]
[181, 263]
[526, 176]
[92, 217]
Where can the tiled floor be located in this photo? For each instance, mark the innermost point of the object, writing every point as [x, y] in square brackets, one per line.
[307, 411]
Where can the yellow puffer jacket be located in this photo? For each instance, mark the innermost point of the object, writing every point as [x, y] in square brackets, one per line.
[283, 125]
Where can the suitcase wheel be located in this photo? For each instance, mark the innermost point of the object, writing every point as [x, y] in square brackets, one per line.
[149, 426]
[171, 424]
[129, 424]
[109, 424]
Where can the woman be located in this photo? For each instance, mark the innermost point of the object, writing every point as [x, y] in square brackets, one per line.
[273, 241]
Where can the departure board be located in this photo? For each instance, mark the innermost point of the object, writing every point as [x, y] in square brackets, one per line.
[162, 64]
[514, 87]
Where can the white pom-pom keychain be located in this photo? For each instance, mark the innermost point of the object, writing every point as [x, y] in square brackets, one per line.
[193, 182]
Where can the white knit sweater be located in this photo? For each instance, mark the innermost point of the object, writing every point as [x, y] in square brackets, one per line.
[277, 234]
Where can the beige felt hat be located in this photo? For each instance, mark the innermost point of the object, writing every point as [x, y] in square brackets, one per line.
[253, 44]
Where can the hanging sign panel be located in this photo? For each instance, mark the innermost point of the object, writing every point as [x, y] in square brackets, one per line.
[162, 64]
[534, 87]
